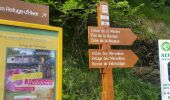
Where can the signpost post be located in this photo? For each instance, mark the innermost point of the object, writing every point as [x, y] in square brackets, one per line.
[104, 58]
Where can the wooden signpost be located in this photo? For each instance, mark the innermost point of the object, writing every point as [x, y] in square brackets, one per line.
[105, 58]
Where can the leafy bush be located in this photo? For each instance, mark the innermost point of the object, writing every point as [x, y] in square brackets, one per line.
[129, 87]
[80, 84]
[167, 2]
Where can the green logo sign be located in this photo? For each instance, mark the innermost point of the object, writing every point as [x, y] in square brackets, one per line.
[165, 46]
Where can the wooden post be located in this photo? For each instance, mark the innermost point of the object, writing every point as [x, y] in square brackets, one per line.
[107, 84]
[107, 80]
[106, 73]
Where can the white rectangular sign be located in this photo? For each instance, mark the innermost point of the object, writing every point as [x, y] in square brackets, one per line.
[104, 17]
[105, 23]
[164, 60]
[105, 9]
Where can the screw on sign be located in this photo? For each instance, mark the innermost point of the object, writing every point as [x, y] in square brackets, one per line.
[104, 58]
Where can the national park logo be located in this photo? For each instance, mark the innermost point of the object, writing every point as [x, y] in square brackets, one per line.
[165, 46]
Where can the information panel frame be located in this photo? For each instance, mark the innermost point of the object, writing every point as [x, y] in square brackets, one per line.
[164, 63]
[49, 46]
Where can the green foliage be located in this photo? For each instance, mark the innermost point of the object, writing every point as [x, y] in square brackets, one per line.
[71, 5]
[147, 52]
[129, 87]
[167, 2]
[80, 84]
[11, 52]
[156, 10]
[123, 14]
[155, 25]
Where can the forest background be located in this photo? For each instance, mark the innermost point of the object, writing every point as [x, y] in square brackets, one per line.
[148, 19]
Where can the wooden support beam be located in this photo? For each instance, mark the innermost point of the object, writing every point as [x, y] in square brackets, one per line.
[107, 80]
[106, 73]
[107, 84]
